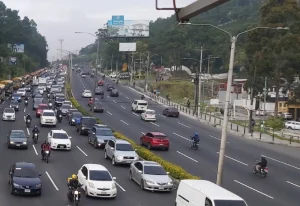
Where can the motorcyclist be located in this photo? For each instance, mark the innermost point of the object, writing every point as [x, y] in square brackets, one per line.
[35, 130]
[195, 139]
[28, 117]
[45, 147]
[117, 81]
[142, 97]
[42, 149]
[58, 113]
[26, 98]
[73, 184]
[262, 164]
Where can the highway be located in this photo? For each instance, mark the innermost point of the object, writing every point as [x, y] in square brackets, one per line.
[62, 164]
[280, 187]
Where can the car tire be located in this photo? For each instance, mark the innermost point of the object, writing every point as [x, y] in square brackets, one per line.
[86, 192]
[95, 144]
[149, 146]
[289, 128]
[11, 189]
[130, 175]
[113, 161]
[142, 185]
[105, 155]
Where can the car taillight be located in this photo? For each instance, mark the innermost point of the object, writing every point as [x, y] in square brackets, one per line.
[266, 169]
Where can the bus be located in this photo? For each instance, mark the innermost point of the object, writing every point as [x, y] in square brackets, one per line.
[2, 92]
[17, 82]
[8, 86]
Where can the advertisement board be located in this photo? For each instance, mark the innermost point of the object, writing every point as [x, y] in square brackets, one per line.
[130, 28]
[127, 47]
[117, 20]
[17, 48]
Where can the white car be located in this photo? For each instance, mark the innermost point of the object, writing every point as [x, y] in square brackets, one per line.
[148, 115]
[113, 75]
[48, 117]
[87, 93]
[139, 105]
[9, 114]
[68, 103]
[83, 76]
[59, 139]
[41, 90]
[97, 181]
[22, 91]
[292, 125]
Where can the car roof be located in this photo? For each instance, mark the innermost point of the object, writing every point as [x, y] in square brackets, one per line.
[88, 117]
[141, 101]
[24, 164]
[58, 131]
[48, 110]
[43, 104]
[150, 163]
[95, 167]
[121, 141]
[150, 110]
[17, 130]
[158, 134]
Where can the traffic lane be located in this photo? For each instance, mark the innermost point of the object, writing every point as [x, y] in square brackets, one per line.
[11, 156]
[121, 172]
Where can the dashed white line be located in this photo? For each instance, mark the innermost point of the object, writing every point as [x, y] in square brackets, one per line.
[162, 116]
[181, 136]
[120, 187]
[81, 151]
[24, 119]
[184, 125]
[154, 124]
[187, 156]
[109, 112]
[114, 101]
[121, 93]
[124, 122]
[123, 107]
[28, 132]
[216, 138]
[143, 133]
[293, 184]
[24, 109]
[135, 114]
[53, 183]
[254, 189]
[108, 96]
[281, 162]
[235, 160]
[35, 150]
[127, 97]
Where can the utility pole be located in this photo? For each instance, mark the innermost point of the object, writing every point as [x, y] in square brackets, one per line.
[147, 71]
[265, 95]
[251, 102]
[111, 63]
[61, 48]
[140, 65]
[200, 84]
[131, 68]
[117, 63]
[96, 73]
[196, 82]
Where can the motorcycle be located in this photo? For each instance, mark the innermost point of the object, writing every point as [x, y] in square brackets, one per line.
[46, 155]
[50, 105]
[76, 196]
[59, 118]
[26, 103]
[194, 145]
[35, 138]
[262, 171]
[28, 122]
[142, 97]
[48, 95]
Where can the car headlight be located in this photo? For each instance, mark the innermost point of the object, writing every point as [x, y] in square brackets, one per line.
[11, 142]
[24, 142]
[91, 185]
[73, 120]
[82, 128]
[17, 106]
[113, 186]
[149, 182]
[136, 158]
[100, 140]
[16, 185]
[170, 183]
[119, 157]
[38, 186]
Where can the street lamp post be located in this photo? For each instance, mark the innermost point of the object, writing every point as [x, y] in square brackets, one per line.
[233, 40]
[69, 71]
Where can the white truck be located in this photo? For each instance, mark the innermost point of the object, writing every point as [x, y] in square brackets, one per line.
[43, 83]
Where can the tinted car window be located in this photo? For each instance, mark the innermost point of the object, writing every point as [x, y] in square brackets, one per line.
[154, 170]
[88, 121]
[25, 172]
[104, 132]
[98, 175]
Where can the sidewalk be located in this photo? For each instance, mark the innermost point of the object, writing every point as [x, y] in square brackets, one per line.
[216, 120]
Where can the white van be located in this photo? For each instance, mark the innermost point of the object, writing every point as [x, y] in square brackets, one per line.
[139, 105]
[205, 193]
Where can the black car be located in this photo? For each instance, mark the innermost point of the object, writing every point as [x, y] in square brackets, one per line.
[24, 179]
[16, 97]
[85, 125]
[15, 105]
[28, 88]
[59, 101]
[75, 118]
[17, 139]
[114, 93]
[99, 91]
[171, 112]
[34, 93]
[110, 87]
[98, 107]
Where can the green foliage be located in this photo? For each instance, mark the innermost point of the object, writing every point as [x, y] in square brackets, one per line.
[275, 123]
[20, 31]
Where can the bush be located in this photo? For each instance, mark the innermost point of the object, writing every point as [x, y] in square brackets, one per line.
[275, 123]
[175, 171]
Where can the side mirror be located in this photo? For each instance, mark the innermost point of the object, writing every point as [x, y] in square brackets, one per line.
[114, 178]
[93, 133]
[40, 174]
[140, 171]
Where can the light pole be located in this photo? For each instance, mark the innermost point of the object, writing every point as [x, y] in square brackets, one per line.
[69, 72]
[208, 67]
[233, 40]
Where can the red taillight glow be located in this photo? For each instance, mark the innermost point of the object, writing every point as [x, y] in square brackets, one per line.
[266, 168]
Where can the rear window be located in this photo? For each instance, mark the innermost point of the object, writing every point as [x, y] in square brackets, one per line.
[142, 104]
[150, 112]
[160, 136]
[43, 107]
[48, 114]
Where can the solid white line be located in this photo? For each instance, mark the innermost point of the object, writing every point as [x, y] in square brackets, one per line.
[120, 187]
[234, 159]
[216, 138]
[154, 124]
[143, 133]
[82, 151]
[184, 125]
[35, 150]
[254, 189]
[135, 114]
[52, 181]
[124, 122]
[127, 97]
[281, 162]
[109, 112]
[181, 136]
[123, 107]
[187, 156]
[28, 132]
[24, 110]
[162, 116]
[114, 101]
[293, 184]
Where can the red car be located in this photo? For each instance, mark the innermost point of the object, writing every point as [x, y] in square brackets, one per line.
[40, 108]
[100, 82]
[155, 140]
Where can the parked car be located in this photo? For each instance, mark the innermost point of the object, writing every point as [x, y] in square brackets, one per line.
[260, 113]
[287, 116]
[292, 125]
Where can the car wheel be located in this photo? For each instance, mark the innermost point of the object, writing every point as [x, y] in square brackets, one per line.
[11, 189]
[113, 161]
[77, 129]
[105, 154]
[95, 144]
[142, 184]
[149, 146]
[141, 142]
[86, 192]
[289, 128]
[130, 175]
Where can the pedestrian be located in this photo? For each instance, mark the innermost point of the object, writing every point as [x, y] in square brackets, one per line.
[188, 104]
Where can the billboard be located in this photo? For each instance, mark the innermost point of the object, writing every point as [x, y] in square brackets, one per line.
[17, 48]
[130, 28]
[12, 61]
[127, 47]
[117, 20]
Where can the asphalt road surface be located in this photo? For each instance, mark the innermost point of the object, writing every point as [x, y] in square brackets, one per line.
[280, 187]
[61, 165]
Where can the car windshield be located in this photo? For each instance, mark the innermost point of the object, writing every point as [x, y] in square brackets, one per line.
[229, 203]
[66, 106]
[60, 99]
[27, 86]
[97, 104]
[124, 147]
[154, 170]
[173, 109]
[88, 121]
[15, 134]
[104, 132]
[60, 136]
[25, 172]
[16, 95]
[100, 175]
[77, 115]
[14, 103]
[38, 101]
[150, 112]
[9, 110]
[48, 114]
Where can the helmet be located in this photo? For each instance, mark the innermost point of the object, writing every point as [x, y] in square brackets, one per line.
[35, 127]
[196, 134]
[74, 176]
[45, 142]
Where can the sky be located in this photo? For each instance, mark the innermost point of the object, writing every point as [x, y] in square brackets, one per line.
[60, 19]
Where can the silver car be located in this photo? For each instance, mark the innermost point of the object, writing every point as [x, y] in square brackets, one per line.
[150, 176]
[120, 152]
[65, 108]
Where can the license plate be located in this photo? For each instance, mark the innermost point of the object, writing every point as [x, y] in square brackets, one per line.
[27, 191]
[61, 146]
[103, 192]
[18, 145]
[161, 188]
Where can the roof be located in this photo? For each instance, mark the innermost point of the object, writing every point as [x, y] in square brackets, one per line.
[88, 117]
[48, 110]
[121, 141]
[100, 126]
[58, 131]
[212, 190]
[24, 164]
[150, 163]
[139, 100]
[95, 167]
[158, 134]
[17, 130]
[150, 110]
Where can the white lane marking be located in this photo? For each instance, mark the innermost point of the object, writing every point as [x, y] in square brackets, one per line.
[114, 101]
[124, 122]
[234, 159]
[216, 138]
[162, 116]
[108, 96]
[24, 119]
[81, 151]
[281, 162]
[184, 125]
[123, 107]
[293, 184]
[187, 156]
[35, 150]
[24, 109]
[181, 136]
[127, 97]
[135, 114]
[143, 133]
[109, 112]
[154, 124]
[121, 93]
[53, 183]
[120, 187]
[28, 132]
[254, 189]
[4, 102]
